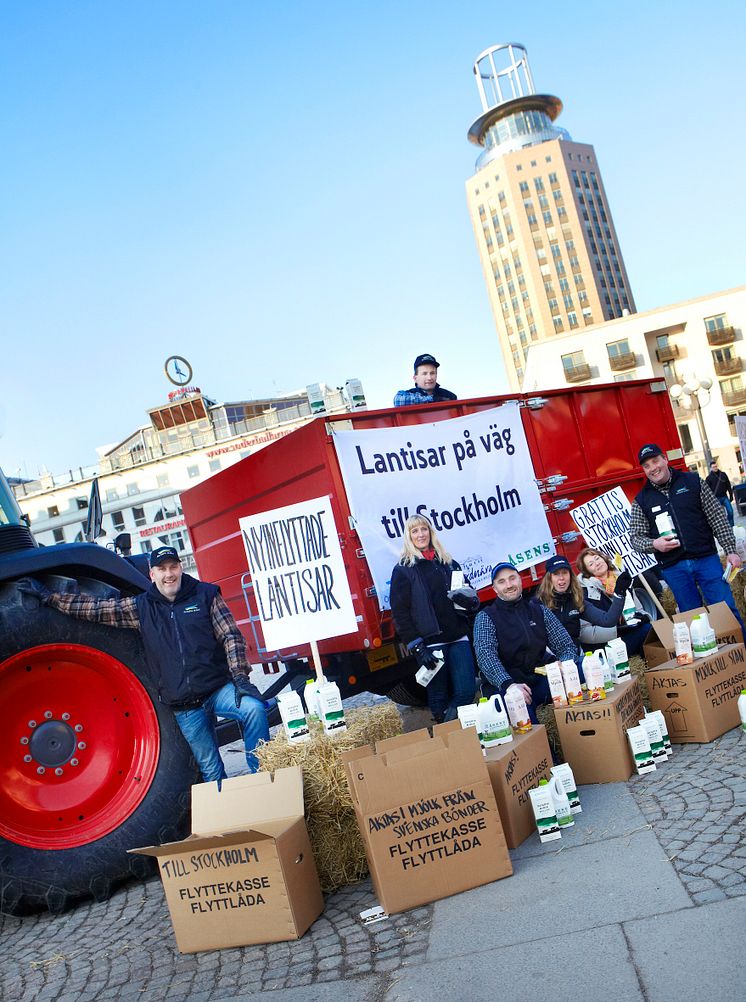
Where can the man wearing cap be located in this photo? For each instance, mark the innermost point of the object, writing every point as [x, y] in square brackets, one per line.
[688, 560]
[195, 653]
[426, 389]
[514, 635]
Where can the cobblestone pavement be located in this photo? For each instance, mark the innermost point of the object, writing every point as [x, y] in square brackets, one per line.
[697, 807]
[124, 948]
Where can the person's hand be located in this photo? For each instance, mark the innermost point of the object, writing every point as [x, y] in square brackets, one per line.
[623, 582]
[663, 544]
[425, 657]
[734, 560]
[464, 598]
[244, 687]
[34, 588]
[525, 691]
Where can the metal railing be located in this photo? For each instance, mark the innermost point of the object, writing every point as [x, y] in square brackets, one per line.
[721, 335]
[624, 360]
[577, 373]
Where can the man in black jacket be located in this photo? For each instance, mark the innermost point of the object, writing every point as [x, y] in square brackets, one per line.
[194, 650]
[720, 485]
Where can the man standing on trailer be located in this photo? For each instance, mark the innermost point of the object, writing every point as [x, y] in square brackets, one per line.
[688, 560]
[195, 653]
[426, 389]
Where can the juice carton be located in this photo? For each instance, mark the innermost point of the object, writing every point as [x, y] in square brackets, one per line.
[556, 685]
[642, 753]
[545, 815]
[517, 710]
[563, 772]
[494, 726]
[330, 709]
[293, 718]
[571, 678]
[682, 643]
[594, 677]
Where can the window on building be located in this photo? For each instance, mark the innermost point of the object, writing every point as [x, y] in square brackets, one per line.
[146, 546]
[573, 360]
[162, 479]
[558, 325]
[523, 186]
[538, 184]
[53, 511]
[686, 438]
[81, 503]
[139, 515]
[58, 535]
[132, 489]
[112, 494]
[553, 178]
[616, 348]
[717, 322]
[117, 520]
[572, 318]
[663, 341]
[547, 217]
[192, 471]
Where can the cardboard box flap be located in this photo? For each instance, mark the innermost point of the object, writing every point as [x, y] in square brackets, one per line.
[246, 802]
[194, 843]
[400, 740]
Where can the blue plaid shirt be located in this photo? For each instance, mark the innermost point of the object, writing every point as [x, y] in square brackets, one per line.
[404, 398]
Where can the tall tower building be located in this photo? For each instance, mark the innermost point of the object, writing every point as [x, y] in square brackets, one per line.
[545, 235]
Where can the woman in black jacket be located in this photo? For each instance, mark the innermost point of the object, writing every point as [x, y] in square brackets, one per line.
[430, 615]
[562, 592]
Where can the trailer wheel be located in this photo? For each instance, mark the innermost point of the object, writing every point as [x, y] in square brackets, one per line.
[91, 764]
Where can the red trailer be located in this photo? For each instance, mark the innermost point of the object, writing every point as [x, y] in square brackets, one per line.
[583, 442]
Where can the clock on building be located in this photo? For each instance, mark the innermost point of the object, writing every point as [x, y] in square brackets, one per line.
[178, 370]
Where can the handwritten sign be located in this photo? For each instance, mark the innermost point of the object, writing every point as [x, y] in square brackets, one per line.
[604, 523]
[299, 578]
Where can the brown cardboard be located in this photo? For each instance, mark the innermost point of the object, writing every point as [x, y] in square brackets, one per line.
[247, 872]
[659, 647]
[699, 701]
[513, 769]
[594, 735]
[427, 815]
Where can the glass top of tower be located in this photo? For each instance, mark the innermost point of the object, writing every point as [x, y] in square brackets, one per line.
[517, 130]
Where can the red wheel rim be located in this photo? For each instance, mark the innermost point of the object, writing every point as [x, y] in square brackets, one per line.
[79, 745]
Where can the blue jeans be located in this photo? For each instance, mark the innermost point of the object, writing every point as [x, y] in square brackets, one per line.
[683, 577]
[455, 683]
[198, 727]
[725, 502]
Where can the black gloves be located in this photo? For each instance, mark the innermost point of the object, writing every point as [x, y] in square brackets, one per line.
[244, 687]
[464, 598]
[623, 582]
[425, 657]
[34, 588]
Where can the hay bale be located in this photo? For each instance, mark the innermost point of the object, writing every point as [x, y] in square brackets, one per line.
[330, 816]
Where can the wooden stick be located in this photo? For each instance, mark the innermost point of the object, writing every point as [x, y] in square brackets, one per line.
[317, 661]
[654, 597]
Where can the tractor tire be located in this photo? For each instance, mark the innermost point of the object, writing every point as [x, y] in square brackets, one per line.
[407, 692]
[92, 764]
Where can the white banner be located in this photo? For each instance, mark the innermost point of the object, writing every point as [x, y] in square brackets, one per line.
[604, 523]
[299, 578]
[471, 476]
[741, 432]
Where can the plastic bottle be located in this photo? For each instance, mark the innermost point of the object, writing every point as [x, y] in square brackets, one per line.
[494, 726]
[517, 709]
[742, 708]
[331, 712]
[594, 677]
[293, 718]
[561, 803]
[703, 636]
[682, 644]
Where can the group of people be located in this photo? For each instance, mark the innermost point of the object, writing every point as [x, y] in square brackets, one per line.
[571, 612]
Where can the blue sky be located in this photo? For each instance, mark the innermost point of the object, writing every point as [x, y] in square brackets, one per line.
[277, 191]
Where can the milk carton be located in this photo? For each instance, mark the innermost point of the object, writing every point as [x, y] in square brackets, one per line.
[742, 708]
[682, 644]
[609, 673]
[331, 714]
[561, 803]
[652, 728]
[311, 696]
[571, 678]
[425, 675]
[545, 815]
[642, 753]
[664, 525]
[494, 726]
[616, 651]
[594, 677]
[630, 609]
[517, 709]
[659, 716]
[703, 636]
[293, 718]
[469, 716]
[457, 580]
[563, 772]
[556, 685]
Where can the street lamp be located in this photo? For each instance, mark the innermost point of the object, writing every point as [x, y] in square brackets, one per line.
[693, 395]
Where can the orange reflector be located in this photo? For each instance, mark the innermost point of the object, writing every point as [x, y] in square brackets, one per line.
[376, 641]
[352, 679]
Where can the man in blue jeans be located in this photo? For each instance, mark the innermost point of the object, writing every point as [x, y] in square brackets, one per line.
[195, 653]
[688, 559]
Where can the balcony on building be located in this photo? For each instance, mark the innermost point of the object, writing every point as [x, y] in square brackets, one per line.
[721, 335]
[667, 354]
[735, 398]
[577, 373]
[624, 360]
[728, 366]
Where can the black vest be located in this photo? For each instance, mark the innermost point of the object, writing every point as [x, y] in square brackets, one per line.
[521, 636]
[186, 661]
[567, 614]
[684, 505]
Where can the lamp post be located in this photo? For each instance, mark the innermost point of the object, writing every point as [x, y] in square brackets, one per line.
[693, 395]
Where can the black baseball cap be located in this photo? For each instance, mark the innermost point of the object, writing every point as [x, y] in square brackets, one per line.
[648, 451]
[162, 554]
[425, 359]
[504, 565]
[558, 563]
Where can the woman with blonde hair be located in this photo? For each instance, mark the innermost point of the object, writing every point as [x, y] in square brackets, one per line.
[599, 579]
[562, 593]
[430, 615]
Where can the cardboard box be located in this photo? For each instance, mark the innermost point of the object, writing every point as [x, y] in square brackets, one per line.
[513, 769]
[699, 701]
[659, 647]
[427, 815]
[247, 872]
[594, 735]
